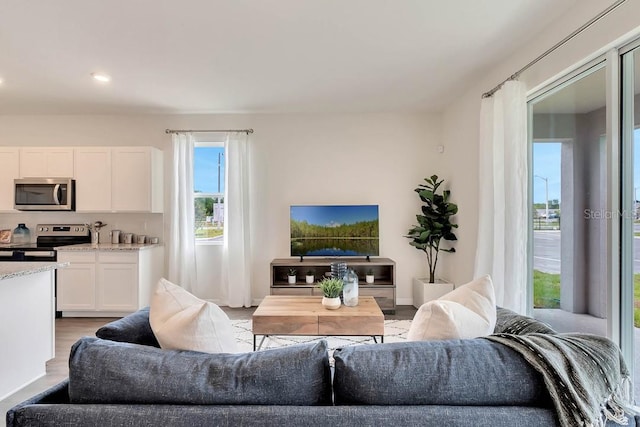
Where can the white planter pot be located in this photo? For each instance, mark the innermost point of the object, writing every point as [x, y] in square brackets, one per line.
[370, 278]
[310, 279]
[423, 291]
[292, 280]
[331, 303]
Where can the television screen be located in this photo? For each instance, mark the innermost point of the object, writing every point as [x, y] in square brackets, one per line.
[349, 230]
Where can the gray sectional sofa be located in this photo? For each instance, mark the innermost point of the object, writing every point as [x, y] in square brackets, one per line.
[121, 378]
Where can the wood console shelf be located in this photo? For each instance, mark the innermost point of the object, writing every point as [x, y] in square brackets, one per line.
[383, 289]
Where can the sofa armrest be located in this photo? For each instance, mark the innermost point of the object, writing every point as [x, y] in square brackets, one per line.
[58, 393]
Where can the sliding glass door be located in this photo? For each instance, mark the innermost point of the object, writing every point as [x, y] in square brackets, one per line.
[630, 237]
[585, 202]
[569, 221]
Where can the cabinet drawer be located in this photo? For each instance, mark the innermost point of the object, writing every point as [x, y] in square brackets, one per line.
[384, 297]
[74, 257]
[118, 257]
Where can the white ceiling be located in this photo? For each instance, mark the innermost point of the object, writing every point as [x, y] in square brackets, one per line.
[213, 56]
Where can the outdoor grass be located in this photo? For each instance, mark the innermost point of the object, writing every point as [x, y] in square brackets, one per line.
[546, 290]
[208, 233]
[546, 293]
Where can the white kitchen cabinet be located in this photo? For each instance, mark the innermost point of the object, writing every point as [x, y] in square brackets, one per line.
[9, 170]
[93, 179]
[118, 286]
[46, 162]
[137, 179]
[108, 179]
[107, 283]
[76, 283]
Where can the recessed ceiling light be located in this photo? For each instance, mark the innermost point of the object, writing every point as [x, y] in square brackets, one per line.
[101, 77]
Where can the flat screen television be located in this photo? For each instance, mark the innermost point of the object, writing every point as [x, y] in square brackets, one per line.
[345, 230]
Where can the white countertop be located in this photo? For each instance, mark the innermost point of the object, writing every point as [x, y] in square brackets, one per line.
[10, 269]
[107, 247]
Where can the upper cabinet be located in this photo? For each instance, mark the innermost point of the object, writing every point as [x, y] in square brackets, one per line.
[108, 179]
[137, 179]
[119, 179]
[10, 161]
[93, 179]
[46, 162]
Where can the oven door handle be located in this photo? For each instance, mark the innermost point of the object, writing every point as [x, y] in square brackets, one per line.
[56, 191]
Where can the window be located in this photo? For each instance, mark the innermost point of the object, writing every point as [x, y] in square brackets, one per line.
[208, 192]
[547, 208]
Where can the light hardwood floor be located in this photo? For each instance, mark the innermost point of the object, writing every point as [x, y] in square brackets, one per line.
[69, 330]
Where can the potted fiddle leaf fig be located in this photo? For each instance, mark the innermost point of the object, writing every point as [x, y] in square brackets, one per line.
[434, 222]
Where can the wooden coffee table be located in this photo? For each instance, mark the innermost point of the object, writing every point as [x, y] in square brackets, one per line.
[305, 315]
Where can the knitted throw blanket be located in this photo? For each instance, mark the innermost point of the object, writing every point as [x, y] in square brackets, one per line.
[585, 374]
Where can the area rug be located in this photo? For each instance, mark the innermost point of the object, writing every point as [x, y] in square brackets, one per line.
[394, 331]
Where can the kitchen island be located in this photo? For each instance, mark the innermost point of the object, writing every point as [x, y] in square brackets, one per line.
[27, 324]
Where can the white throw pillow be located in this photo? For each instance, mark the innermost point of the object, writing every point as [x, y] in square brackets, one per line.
[469, 311]
[182, 321]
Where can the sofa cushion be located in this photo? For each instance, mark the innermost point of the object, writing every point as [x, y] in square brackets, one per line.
[469, 311]
[102, 371]
[181, 321]
[134, 328]
[452, 372]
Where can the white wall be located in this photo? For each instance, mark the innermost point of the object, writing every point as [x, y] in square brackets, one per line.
[461, 117]
[343, 159]
[296, 159]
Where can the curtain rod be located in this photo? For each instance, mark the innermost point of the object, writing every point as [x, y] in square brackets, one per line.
[247, 131]
[556, 46]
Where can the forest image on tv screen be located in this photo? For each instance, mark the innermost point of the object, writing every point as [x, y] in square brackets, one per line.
[350, 230]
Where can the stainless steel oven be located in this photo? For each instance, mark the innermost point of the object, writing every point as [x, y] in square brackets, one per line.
[49, 236]
[45, 194]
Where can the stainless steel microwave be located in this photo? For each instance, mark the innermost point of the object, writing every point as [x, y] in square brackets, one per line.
[45, 194]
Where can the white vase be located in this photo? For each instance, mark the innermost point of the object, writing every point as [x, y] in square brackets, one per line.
[331, 303]
[310, 278]
[370, 278]
[292, 280]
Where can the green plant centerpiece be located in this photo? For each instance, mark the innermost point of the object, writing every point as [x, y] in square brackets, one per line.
[330, 287]
[292, 272]
[434, 224]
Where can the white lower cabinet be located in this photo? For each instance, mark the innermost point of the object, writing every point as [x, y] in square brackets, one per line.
[76, 284]
[107, 283]
[119, 290]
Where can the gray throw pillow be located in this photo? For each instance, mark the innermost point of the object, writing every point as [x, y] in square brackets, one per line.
[102, 371]
[134, 328]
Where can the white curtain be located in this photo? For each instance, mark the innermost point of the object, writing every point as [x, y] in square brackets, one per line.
[236, 261]
[502, 219]
[182, 245]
